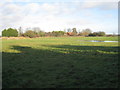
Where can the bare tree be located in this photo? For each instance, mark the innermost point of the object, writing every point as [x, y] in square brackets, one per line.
[65, 30]
[20, 31]
[86, 32]
[36, 29]
[78, 30]
[74, 31]
[69, 30]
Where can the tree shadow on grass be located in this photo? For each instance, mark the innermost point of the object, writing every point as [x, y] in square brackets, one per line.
[86, 49]
[62, 66]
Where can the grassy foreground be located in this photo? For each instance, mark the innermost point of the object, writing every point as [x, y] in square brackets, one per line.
[60, 62]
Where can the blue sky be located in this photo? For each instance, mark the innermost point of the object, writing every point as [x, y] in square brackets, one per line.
[49, 15]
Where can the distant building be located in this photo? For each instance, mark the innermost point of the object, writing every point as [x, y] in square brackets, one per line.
[69, 33]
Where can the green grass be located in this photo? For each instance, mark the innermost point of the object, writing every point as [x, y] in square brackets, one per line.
[61, 62]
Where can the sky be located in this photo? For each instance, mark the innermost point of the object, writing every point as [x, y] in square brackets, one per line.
[54, 15]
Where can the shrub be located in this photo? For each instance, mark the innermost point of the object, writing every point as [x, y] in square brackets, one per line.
[58, 33]
[41, 33]
[30, 34]
[48, 34]
[10, 32]
[4, 32]
[101, 33]
[85, 32]
[92, 34]
[97, 34]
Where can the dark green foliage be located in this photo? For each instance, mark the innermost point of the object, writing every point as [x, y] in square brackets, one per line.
[101, 33]
[97, 34]
[4, 32]
[10, 32]
[93, 34]
[58, 33]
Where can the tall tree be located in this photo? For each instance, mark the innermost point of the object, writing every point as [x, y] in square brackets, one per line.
[20, 31]
[74, 31]
[78, 30]
[69, 30]
[10, 32]
[86, 32]
[36, 29]
[65, 30]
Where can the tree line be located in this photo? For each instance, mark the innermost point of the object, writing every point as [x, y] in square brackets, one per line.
[37, 32]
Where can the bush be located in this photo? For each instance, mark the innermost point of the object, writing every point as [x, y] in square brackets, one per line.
[30, 34]
[48, 34]
[101, 33]
[4, 32]
[97, 34]
[58, 33]
[41, 33]
[93, 34]
[85, 32]
[10, 32]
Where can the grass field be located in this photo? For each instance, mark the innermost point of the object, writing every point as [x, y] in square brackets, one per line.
[60, 62]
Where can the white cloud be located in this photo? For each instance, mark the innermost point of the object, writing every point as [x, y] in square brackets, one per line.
[47, 16]
[96, 1]
[100, 5]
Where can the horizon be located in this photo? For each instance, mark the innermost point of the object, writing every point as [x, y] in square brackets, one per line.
[77, 29]
[50, 15]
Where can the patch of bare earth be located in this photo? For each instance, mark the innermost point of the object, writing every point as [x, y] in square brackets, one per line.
[13, 38]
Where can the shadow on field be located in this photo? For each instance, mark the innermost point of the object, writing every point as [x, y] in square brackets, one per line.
[82, 49]
[62, 66]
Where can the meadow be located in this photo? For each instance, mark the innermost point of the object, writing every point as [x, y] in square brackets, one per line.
[60, 62]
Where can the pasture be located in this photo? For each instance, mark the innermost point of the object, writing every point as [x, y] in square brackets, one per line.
[60, 62]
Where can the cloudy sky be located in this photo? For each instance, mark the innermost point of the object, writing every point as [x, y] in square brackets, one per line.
[49, 15]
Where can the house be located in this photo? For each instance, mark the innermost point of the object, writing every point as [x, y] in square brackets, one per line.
[70, 33]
